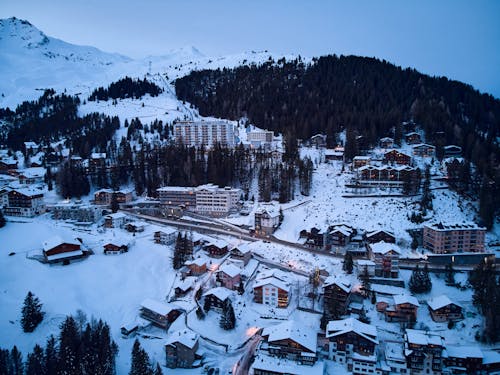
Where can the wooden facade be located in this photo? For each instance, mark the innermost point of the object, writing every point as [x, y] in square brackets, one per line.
[396, 157]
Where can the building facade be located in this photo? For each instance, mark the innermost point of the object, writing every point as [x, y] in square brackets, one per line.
[205, 133]
[454, 238]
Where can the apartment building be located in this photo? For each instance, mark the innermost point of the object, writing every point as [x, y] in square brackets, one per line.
[260, 136]
[204, 133]
[424, 352]
[454, 238]
[178, 196]
[25, 202]
[215, 201]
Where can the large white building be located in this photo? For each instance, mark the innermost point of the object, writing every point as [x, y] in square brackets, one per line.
[205, 199]
[216, 201]
[206, 133]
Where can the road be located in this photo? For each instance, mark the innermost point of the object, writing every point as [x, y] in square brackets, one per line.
[243, 365]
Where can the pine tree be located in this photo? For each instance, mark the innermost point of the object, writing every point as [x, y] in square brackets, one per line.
[5, 363]
[348, 263]
[241, 288]
[32, 314]
[114, 203]
[140, 361]
[35, 363]
[415, 283]
[450, 274]
[69, 348]
[426, 280]
[2, 219]
[179, 258]
[227, 319]
[16, 360]
[158, 370]
[206, 305]
[50, 356]
[365, 282]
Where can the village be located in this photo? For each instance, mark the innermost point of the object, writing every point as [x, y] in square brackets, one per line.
[312, 286]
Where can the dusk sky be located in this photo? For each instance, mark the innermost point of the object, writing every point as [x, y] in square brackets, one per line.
[456, 38]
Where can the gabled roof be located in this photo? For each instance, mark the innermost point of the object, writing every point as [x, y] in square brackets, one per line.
[116, 215]
[419, 337]
[405, 298]
[272, 281]
[464, 351]
[230, 269]
[440, 302]
[56, 241]
[340, 327]
[293, 331]
[374, 232]
[383, 247]
[217, 243]
[198, 262]
[220, 292]
[158, 307]
[342, 282]
[186, 337]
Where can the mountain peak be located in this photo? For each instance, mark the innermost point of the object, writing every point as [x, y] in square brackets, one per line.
[21, 33]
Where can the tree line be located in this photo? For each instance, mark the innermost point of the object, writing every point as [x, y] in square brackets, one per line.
[126, 88]
[367, 98]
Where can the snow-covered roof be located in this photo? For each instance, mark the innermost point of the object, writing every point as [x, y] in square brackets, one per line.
[364, 262]
[220, 292]
[340, 327]
[167, 230]
[117, 242]
[272, 281]
[294, 331]
[286, 366]
[98, 155]
[30, 144]
[186, 337]
[374, 232]
[344, 229]
[386, 139]
[453, 226]
[273, 272]
[342, 282]
[420, 145]
[464, 351]
[33, 172]
[405, 298]
[490, 357]
[419, 337]
[361, 158]
[383, 247]
[56, 241]
[217, 243]
[387, 289]
[29, 192]
[138, 224]
[230, 269]
[439, 302]
[185, 284]
[197, 262]
[116, 215]
[175, 188]
[157, 306]
[68, 254]
[394, 351]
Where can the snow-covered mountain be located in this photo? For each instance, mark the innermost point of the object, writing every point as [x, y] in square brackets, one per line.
[31, 61]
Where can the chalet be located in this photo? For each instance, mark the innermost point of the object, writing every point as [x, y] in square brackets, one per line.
[216, 248]
[4, 197]
[464, 359]
[360, 161]
[413, 138]
[272, 291]
[124, 196]
[404, 309]
[353, 343]
[386, 142]
[274, 365]
[452, 151]
[115, 248]
[32, 176]
[290, 340]
[31, 147]
[394, 358]
[166, 236]
[380, 235]
[267, 219]
[423, 351]
[76, 161]
[241, 253]
[396, 157]
[116, 220]
[159, 313]
[196, 267]
[216, 297]
[7, 164]
[228, 276]
[386, 175]
[103, 196]
[182, 287]
[97, 160]
[336, 154]
[182, 350]
[361, 264]
[442, 309]
[424, 150]
[315, 238]
[336, 296]
[24, 202]
[135, 226]
[57, 250]
[386, 258]
[340, 234]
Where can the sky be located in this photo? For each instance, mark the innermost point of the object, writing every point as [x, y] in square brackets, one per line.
[459, 39]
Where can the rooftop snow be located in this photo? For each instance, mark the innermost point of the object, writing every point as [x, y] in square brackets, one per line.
[220, 292]
[230, 269]
[340, 327]
[294, 331]
[56, 241]
[439, 302]
[157, 306]
[186, 337]
[384, 247]
[405, 298]
[415, 336]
